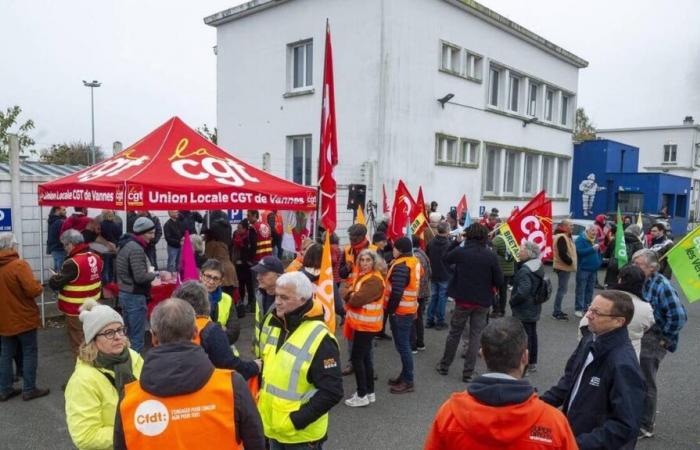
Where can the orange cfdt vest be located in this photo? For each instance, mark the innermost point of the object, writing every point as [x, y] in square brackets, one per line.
[409, 301]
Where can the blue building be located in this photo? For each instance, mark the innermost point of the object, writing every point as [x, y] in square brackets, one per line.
[605, 175]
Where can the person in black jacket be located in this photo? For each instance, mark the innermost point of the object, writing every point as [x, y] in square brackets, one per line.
[188, 220]
[440, 277]
[522, 301]
[131, 218]
[602, 391]
[53, 238]
[477, 273]
[176, 366]
[173, 235]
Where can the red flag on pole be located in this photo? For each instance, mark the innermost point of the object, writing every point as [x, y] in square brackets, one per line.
[401, 212]
[328, 158]
[421, 201]
[385, 201]
[461, 207]
[419, 219]
[532, 223]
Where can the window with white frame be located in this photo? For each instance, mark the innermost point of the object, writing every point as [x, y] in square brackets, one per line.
[300, 62]
[565, 102]
[530, 170]
[511, 171]
[299, 159]
[562, 177]
[492, 169]
[474, 66]
[697, 154]
[532, 99]
[548, 105]
[451, 58]
[670, 152]
[446, 149]
[494, 86]
[513, 92]
[468, 151]
[547, 174]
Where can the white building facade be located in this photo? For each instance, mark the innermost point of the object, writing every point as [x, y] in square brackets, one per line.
[502, 135]
[671, 149]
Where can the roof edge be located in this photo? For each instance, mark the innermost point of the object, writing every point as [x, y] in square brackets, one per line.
[651, 128]
[240, 11]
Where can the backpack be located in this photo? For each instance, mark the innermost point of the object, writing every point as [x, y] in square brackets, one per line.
[543, 291]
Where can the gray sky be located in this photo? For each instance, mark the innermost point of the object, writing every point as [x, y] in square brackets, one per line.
[155, 60]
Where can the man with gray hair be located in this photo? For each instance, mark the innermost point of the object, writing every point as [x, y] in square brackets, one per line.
[669, 317]
[182, 395]
[294, 404]
[80, 280]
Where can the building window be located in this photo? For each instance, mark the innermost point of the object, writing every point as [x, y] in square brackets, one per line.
[564, 109]
[468, 152]
[514, 93]
[301, 65]
[697, 154]
[670, 151]
[511, 172]
[474, 66]
[562, 177]
[494, 83]
[492, 169]
[532, 100]
[299, 165]
[548, 105]
[451, 58]
[547, 174]
[530, 173]
[446, 149]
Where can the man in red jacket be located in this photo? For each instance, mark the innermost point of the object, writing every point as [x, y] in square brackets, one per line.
[500, 409]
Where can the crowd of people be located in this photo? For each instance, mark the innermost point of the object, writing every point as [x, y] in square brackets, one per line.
[194, 383]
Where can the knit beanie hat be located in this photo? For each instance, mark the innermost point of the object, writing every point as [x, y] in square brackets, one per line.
[403, 245]
[143, 225]
[95, 317]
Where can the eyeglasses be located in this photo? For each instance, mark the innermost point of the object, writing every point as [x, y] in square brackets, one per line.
[596, 313]
[112, 334]
[212, 278]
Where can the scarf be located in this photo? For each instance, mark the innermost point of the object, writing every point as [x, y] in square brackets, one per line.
[121, 366]
[357, 248]
[214, 299]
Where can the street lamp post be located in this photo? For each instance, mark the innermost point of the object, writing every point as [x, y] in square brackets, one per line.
[92, 85]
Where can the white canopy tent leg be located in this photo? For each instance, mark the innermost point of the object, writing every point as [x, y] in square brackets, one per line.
[41, 265]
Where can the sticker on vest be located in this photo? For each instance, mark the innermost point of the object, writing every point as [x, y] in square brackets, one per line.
[541, 434]
[151, 418]
[330, 363]
[595, 381]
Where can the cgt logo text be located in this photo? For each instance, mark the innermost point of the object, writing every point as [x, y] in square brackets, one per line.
[224, 171]
[151, 418]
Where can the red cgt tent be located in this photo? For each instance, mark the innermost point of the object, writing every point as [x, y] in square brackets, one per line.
[175, 168]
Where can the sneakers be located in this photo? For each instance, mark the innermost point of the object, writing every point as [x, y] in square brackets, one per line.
[560, 316]
[372, 398]
[441, 326]
[430, 325]
[401, 388]
[644, 434]
[440, 369]
[356, 402]
[578, 314]
[421, 348]
[532, 368]
[9, 394]
[414, 351]
[468, 378]
[35, 393]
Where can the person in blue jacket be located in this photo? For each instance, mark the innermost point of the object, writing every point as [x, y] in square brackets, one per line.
[589, 261]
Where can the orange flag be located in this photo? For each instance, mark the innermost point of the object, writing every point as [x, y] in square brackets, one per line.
[360, 218]
[324, 294]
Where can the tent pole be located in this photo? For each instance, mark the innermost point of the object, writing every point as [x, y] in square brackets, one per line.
[41, 265]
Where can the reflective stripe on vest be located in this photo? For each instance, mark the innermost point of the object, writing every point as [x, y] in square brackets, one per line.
[263, 245]
[257, 330]
[201, 323]
[369, 317]
[181, 421]
[409, 300]
[87, 285]
[285, 386]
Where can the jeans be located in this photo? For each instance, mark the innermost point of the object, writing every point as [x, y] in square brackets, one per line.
[585, 283]
[473, 318]
[108, 268]
[401, 331]
[531, 331]
[27, 341]
[361, 358]
[274, 445]
[173, 259]
[650, 358]
[438, 300]
[58, 257]
[417, 330]
[562, 288]
[134, 313]
[499, 304]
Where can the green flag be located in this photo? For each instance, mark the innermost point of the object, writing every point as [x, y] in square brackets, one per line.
[620, 247]
[684, 259]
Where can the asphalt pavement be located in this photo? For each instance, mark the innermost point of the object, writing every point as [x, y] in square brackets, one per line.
[398, 422]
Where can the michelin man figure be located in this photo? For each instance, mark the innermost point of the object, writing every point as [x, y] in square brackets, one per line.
[588, 188]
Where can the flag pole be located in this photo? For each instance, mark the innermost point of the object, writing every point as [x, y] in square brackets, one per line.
[317, 222]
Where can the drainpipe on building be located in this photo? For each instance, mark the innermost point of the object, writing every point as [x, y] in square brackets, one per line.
[15, 191]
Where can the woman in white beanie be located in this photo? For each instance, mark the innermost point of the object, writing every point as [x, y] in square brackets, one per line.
[105, 364]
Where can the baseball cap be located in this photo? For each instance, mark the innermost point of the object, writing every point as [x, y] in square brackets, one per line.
[268, 264]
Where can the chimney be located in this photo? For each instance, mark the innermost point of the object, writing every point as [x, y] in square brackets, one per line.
[688, 120]
[116, 147]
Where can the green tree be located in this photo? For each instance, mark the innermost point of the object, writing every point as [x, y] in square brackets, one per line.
[584, 130]
[75, 153]
[8, 121]
[210, 134]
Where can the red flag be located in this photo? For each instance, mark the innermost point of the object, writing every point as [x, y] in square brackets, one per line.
[418, 218]
[421, 201]
[461, 207]
[385, 201]
[328, 158]
[533, 223]
[401, 212]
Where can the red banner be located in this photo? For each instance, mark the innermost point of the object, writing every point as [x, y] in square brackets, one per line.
[329, 144]
[401, 212]
[461, 207]
[533, 223]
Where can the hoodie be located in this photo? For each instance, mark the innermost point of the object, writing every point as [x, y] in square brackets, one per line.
[498, 411]
[18, 288]
[525, 282]
[53, 241]
[183, 368]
